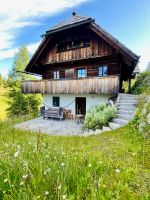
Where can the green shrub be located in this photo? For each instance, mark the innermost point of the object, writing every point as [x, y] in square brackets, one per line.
[99, 116]
[142, 116]
[142, 84]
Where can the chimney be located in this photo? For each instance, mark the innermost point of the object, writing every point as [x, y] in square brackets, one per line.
[73, 14]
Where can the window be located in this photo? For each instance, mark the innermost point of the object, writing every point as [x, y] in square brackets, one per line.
[81, 73]
[56, 75]
[69, 73]
[102, 71]
[56, 102]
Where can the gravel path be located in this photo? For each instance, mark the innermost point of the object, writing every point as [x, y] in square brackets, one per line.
[52, 127]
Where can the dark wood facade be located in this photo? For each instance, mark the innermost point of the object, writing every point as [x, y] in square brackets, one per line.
[81, 44]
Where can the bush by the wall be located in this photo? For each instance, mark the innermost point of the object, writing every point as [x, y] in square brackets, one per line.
[99, 116]
[143, 116]
[142, 84]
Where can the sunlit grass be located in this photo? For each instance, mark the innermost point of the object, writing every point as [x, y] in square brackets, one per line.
[113, 165]
[3, 103]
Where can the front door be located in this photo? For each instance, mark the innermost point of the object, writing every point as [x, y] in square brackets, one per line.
[80, 105]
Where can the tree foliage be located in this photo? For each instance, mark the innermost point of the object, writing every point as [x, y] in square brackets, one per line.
[1, 80]
[142, 84]
[19, 103]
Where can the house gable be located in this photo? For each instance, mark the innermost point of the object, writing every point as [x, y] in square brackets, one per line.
[80, 41]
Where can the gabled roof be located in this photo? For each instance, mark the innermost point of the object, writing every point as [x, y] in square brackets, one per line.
[74, 20]
[113, 41]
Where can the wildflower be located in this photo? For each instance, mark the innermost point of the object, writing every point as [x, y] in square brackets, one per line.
[24, 163]
[16, 154]
[117, 170]
[21, 183]
[64, 197]
[148, 118]
[5, 180]
[25, 177]
[62, 164]
[46, 193]
[6, 145]
[59, 187]
[90, 165]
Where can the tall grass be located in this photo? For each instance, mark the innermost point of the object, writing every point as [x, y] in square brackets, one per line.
[3, 103]
[113, 165]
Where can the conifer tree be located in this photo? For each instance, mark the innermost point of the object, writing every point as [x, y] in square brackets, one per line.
[19, 103]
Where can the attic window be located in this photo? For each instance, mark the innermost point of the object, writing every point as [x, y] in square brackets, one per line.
[66, 46]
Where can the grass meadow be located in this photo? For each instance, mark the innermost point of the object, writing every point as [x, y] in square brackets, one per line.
[3, 104]
[112, 165]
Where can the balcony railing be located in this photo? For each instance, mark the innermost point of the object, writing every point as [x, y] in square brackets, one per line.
[92, 85]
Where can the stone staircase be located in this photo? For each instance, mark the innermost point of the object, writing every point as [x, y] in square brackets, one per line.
[126, 105]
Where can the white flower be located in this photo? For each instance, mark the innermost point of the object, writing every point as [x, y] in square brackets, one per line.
[5, 180]
[62, 164]
[25, 177]
[21, 183]
[64, 197]
[148, 118]
[46, 193]
[59, 187]
[16, 154]
[89, 165]
[117, 170]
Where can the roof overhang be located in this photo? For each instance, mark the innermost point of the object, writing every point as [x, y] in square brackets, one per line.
[68, 27]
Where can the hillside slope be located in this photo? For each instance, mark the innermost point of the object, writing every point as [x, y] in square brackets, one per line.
[3, 103]
[112, 165]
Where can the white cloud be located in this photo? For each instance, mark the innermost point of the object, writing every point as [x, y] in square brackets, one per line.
[145, 57]
[11, 52]
[15, 14]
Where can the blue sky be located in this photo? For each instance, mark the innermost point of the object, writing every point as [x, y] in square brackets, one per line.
[22, 23]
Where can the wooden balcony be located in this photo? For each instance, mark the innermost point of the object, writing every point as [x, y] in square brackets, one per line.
[89, 85]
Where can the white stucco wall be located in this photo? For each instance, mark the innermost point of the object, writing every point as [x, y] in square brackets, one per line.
[66, 99]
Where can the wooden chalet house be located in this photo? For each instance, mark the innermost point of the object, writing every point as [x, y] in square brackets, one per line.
[81, 65]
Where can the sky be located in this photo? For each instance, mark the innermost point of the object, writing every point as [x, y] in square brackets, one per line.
[24, 21]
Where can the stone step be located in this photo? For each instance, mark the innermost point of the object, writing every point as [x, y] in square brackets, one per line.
[106, 128]
[127, 104]
[125, 112]
[127, 95]
[125, 116]
[113, 125]
[120, 121]
[128, 108]
[132, 101]
[127, 98]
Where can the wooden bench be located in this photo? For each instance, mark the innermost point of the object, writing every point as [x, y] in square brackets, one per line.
[56, 113]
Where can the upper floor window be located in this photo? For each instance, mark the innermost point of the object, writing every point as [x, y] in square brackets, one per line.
[69, 73]
[56, 102]
[56, 75]
[81, 73]
[102, 71]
